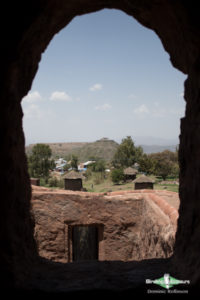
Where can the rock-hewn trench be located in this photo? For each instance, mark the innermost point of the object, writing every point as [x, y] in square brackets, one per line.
[133, 226]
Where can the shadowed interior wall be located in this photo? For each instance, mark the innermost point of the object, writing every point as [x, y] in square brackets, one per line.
[26, 29]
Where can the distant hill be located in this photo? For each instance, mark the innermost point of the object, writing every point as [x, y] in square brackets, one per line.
[103, 148]
[157, 148]
[59, 149]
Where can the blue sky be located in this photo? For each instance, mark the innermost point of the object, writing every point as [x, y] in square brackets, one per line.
[104, 75]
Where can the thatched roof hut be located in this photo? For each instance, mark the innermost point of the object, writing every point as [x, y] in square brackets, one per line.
[143, 182]
[73, 181]
[35, 181]
[130, 173]
[73, 175]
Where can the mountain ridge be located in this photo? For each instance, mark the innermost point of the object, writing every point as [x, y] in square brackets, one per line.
[103, 149]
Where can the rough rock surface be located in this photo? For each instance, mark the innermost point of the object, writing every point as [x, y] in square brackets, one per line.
[134, 227]
[26, 30]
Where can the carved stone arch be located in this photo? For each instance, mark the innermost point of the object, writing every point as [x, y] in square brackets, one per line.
[26, 29]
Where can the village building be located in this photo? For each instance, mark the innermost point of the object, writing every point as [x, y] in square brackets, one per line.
[143, 182]
[73, 181]
[88, 163]
[60, 163]
[130, 174]
[35, 181]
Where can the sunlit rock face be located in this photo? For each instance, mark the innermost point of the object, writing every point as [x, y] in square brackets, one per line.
[130, 225]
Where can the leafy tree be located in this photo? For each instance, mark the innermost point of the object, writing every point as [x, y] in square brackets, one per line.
[66, 167]
[138, 153]
[98, 166]
[175, 170]
[53, 182]
[146, 164]
[127, 154]
[117, 175]
[166, 163]
[74, 162]
[39, 161]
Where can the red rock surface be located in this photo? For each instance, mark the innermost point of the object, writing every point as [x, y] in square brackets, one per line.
[136, 224]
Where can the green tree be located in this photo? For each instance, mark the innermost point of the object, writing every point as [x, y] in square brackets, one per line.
[146, 164]
[66, 167]
[127, 154]
[39, 161]
[53, 182]
[117, 175]
[166, 163]
[138, 153]
[74, 162]
[98, 166]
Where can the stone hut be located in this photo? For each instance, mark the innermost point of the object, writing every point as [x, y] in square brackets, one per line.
[143, 182]
[73, 181]
[130, 174]
[35, 181]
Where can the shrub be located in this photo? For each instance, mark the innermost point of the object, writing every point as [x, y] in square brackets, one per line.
[117, 175]
[98, 178]
[61, 183]
[53, 182]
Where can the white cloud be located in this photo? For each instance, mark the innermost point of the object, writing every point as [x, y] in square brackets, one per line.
[181, 94]
[60, 96]
[156, 111]
[33, 112]
[32, 97]
[131, 96]
[141, 110]
[96, 87]
[103, 107]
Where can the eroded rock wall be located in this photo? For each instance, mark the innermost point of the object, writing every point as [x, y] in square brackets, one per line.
[158, 234]
[132, 226]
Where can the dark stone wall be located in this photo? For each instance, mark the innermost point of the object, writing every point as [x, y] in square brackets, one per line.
[26, 28]
[35, 181]
[143, 185]
[73, 184]
[130, 177]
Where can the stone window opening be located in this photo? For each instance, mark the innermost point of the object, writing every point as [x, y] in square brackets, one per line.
[76, 231]
[177, 25]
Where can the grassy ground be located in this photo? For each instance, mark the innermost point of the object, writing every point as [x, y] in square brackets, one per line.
[98, 184]
[106, 185]
[167, 187]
